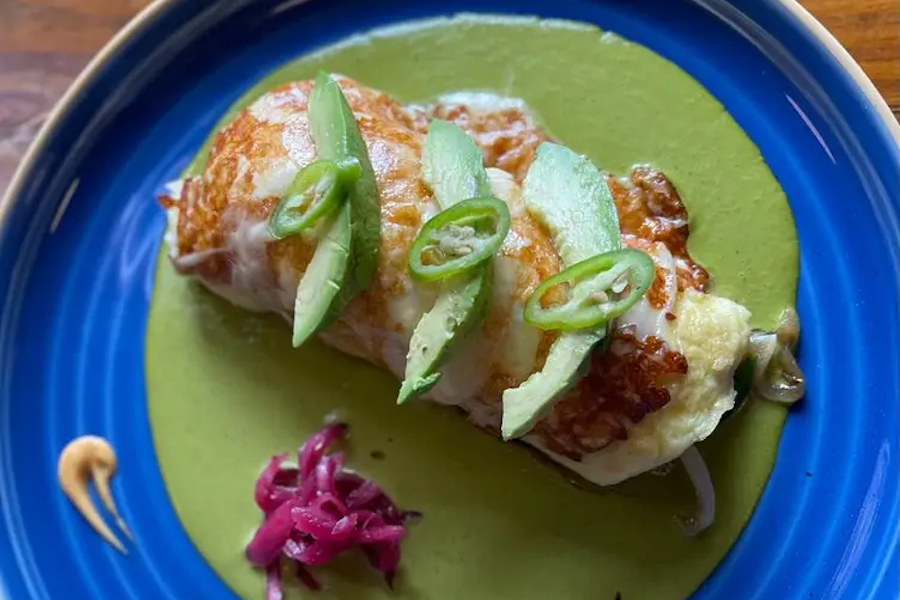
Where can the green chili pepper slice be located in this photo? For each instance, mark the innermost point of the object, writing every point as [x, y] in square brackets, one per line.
[599, 289]
[316, 191]
[459, 238]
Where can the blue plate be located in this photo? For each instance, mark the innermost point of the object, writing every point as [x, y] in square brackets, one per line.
[75, 289]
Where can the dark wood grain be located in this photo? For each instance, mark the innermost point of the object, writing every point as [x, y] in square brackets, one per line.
[44, 44]
[870, 30]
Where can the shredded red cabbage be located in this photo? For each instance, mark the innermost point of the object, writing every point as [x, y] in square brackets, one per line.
[318, 510]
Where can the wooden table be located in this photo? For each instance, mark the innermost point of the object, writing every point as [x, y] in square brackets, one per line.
[45, 43]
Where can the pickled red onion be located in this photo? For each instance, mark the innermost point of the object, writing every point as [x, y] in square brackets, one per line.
[318, 510]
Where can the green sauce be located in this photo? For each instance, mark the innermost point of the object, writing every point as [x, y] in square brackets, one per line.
[226, 390]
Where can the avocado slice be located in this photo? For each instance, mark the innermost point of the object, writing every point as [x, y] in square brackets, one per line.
[453, 167]
[569, 196]
[458, 309]
[345, 259]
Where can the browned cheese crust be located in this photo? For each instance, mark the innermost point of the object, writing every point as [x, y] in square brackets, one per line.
[624, 384]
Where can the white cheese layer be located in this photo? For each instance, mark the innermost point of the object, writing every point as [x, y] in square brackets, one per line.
[713, 333]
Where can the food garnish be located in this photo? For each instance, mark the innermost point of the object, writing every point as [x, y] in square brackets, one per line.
[90, 457]
[776, 375]
[452, 166]
[568, 195]
[698, 473]
[599, 289]
[459, 239]
[317, 191]
[344, 261]
[319, 509]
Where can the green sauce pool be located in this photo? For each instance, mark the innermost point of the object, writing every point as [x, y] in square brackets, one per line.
[226, 391]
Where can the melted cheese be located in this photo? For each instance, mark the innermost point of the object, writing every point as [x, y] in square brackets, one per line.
[173, 189]
[649, 320]
[519, 346]
[713, 333]
[275, 180]
[484, 102]
[278, 108]
[463, 376]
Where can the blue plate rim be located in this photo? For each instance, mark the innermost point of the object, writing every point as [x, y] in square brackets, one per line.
[876, 114]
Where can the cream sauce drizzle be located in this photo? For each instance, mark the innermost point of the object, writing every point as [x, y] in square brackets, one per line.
[91, 458]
